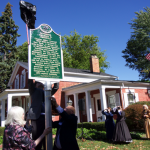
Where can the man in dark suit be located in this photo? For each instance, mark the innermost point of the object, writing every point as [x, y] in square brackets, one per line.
[36, 112]
[66, 128]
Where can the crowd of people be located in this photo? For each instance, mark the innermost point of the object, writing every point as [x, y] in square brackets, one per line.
[27, 131]
[30, 134]
[119, 132]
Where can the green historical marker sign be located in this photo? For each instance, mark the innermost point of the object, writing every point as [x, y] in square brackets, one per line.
[45, 54]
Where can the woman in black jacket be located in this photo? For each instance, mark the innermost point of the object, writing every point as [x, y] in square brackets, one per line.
[109, 123]
[121, 132]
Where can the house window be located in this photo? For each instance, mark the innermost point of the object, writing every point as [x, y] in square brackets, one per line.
[130, 99]
[111, 101]
[17, 82]
[23, 79]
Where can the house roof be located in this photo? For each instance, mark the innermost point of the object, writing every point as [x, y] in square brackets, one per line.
[86, 72]
[110, 82]
[76, 70]
[68, 72]
[23, 63]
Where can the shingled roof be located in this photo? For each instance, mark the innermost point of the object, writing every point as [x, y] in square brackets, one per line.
[86, 72]
[80, 71]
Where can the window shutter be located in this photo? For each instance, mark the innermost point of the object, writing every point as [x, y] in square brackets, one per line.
[18, 83]
[15, 83]
[24, 84]
[21, 82]
[136, 97]
[126, 100]
[117, 96]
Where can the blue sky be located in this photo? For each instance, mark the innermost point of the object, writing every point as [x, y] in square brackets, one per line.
[107, 19]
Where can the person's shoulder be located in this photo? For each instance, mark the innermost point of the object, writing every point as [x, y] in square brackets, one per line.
[74, 116]
[14, 129]
[39, 90]
[18, 128]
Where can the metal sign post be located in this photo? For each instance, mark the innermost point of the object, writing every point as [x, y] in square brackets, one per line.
[45, 59]
[48, 114]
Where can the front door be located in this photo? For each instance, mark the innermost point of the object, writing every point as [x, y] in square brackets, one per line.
[98, 110]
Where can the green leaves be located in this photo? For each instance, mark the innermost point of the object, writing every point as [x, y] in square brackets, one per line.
[8, 49]
[77, 50]
[138, 46]
[22, 52]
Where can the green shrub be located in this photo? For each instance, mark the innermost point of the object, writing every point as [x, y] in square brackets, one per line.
[54, 130]
[2, 131]
[136, 135]
[99, 126]
[134, 115]
[91, 133]
[1, 140]
[100, 135]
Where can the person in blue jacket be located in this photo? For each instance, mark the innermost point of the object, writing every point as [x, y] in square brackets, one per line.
[109, 123]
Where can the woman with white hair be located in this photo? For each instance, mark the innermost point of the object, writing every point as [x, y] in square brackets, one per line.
[15, 135]
[146, 116]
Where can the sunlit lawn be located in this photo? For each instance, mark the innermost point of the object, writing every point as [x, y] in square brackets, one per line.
[104, 145]
[137, 144]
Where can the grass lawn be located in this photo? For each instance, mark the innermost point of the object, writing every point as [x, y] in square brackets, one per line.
[137, 144]
[104, 145]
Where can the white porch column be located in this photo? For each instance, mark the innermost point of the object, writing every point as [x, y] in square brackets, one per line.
[3, 113]
[76, 106]
[9, 102]
[66, 100]
[88, 106]
[103, 100]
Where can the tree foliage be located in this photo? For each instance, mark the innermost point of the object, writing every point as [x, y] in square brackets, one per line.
[8, 49]
[22, 52]
[138, 46]
[77, 50]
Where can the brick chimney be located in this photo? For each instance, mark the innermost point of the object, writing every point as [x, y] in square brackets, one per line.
[94, 64]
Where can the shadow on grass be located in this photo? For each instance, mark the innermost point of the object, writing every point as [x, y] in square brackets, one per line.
[143, 138]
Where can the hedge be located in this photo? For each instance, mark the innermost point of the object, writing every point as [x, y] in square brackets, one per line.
[2, 131]
[100, 135]
[99, 126]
